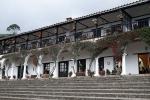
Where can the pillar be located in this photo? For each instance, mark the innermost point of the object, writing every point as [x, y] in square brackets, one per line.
[87, 66]
[124, 71]
[96, 67]
[55, 74]
[74, 69]
[39, 66]
[25, 66]
[12, 71]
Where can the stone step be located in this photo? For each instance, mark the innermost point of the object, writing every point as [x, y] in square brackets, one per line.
[73, 98]
[80, 96]
[18, 98]
[78, 90]
[85, 91]
[92, 79]
[56, 83]
[81, 87]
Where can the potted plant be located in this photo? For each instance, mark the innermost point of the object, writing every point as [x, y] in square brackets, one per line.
[90, 73]
[108, 72]
[70, 73]
[102, 72]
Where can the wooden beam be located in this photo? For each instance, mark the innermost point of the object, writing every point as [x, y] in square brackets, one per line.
[83, 24]
[125, 13]
[15, 45]
[64, 28]
[41, 36]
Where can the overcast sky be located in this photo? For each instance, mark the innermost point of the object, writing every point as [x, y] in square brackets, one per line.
[33, 14]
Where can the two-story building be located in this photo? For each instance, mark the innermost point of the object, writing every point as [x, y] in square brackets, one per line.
[90, 27]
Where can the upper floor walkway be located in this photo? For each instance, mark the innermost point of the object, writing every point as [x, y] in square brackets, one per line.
[98, 25]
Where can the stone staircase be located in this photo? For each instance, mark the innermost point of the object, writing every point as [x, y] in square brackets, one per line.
[80, 88]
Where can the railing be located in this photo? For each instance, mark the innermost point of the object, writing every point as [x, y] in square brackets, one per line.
[78, 36]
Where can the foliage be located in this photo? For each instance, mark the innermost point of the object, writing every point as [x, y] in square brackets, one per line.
[90, 73]
[14, 28]
[75, 49]
[108, 72]
[70, 74]
[144, 34]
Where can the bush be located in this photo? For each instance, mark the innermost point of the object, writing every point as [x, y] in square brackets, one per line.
[108, 72]
[90, 73]
[70, 74]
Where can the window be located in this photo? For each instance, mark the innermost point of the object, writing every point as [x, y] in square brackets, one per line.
[141, 23]
[116, 28]
[61, 38]
[98, 34]
[23, 46]
[78, 35]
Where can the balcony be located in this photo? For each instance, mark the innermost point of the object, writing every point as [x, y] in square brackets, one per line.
[78, 36]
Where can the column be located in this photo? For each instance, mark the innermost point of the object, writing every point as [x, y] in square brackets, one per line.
[74, 69]
[96, 67]
[25, 66]
[87, 66]
[55, 74]
[12, 71]
[124, 64]
[39, 66]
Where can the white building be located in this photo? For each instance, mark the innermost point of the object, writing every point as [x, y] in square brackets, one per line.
[135, 60]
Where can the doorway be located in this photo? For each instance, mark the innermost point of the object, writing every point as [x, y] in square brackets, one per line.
[20, 72]
[81, 67]
[101, 66]
[63, 69]
[144, 63]
[3, 72]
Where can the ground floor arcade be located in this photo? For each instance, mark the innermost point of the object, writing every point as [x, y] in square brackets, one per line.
[136, 60]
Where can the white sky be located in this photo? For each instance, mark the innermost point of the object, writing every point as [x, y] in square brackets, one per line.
[33, 14]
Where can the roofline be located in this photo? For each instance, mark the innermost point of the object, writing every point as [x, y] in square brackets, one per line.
[125, 6]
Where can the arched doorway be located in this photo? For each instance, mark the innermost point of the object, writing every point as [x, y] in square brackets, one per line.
[144, 63]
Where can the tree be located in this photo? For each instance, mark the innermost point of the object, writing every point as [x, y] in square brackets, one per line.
[55, 52]
[145, 35]
[94, 50]
[75, 50]
[14, 28]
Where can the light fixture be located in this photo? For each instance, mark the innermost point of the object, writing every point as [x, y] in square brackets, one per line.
[120, 16]
[94, 21]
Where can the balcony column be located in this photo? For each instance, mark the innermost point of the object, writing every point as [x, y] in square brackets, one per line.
[4, 47]
[27, 41]
[57, 34]
[15, 44]
[96, 67]
[75, 30]
[41, 35]
[126, 20]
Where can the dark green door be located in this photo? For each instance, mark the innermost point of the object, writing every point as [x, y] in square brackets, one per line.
[63, 69]
[20, 72]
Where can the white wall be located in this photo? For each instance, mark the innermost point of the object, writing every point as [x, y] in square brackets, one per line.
[15, 72]
[109, 63]
[132, 64]
[132, 56]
